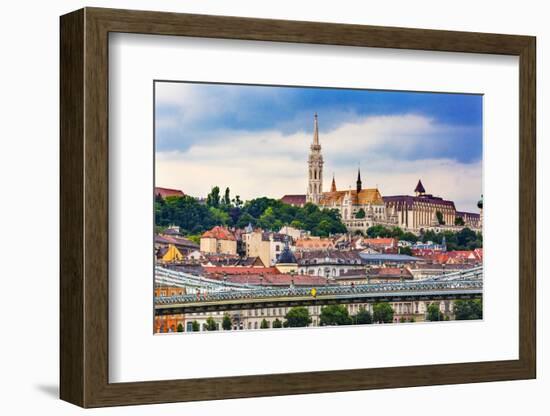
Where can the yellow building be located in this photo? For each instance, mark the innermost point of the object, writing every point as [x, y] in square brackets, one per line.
[266, 246]
[169, 253]
[218, 240]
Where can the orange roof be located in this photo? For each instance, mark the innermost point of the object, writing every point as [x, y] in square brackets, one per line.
[380, 241]
[314, 243]
[366, 196]
[165, 192]
[219, 233]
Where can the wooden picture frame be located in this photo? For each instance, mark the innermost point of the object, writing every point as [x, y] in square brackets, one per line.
[84, 207]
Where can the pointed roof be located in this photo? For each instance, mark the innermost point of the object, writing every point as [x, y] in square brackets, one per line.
[286, 256]
[419, 187]
[333, 186]
[315, 130]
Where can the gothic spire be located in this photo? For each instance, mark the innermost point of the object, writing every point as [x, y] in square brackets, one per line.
[333, 186]
[315, 131]
[359, 184]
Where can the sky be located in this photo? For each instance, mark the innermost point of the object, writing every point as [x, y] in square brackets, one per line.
[255, 140]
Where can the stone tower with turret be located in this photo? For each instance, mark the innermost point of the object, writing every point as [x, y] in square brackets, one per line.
[315, 167]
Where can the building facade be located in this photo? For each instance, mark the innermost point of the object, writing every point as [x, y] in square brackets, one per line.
[421, 211]
[218, 240]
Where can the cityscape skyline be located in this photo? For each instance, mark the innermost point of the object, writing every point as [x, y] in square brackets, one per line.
[396, 138]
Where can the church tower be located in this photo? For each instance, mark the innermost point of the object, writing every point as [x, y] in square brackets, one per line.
[315, 166]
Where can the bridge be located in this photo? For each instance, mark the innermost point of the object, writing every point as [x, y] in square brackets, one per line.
[205, 295]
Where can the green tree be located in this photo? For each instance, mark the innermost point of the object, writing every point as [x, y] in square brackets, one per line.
[213, 198]
[180, 327]
[297, 316]
[195, 238]
[378, 231]
[382, 313]
[434, 313]
[405, 250]
[334, 315]
[264, 324]
[360, 214]
[277, 323]
[159, 199]
[226, 322]
[219, 216]
[211, 324]
[363, 317]
[226, 198]
[468, 309]
[408, 236]
[185, 212]
[459, 221]
[439, 216]
[245, 219]
[195, 326]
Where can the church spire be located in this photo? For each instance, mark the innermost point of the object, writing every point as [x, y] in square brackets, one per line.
[333, 186]
[315, 131]
[359, 183]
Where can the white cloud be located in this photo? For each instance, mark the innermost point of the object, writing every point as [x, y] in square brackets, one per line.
[271, 164]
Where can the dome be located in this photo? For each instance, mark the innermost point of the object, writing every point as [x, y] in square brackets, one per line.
[286, 256]
[480, 203]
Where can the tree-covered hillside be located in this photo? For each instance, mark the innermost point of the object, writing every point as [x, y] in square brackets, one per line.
[194, 217]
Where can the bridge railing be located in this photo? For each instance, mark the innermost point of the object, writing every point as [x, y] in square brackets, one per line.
[264, 293]
[195, 282]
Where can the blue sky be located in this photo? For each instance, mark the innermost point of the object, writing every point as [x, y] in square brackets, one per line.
[225, 131]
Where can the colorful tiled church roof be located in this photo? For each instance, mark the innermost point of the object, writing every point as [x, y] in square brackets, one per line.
[366, 196]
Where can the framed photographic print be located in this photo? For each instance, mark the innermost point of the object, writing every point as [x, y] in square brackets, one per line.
[331, 207]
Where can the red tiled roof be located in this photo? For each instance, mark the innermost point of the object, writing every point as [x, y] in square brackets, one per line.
[165, 192]
[238, 270]
[278, 280]
[314, 243]
[219, 233]
[390, 272]
[294, 199]
[380, 241]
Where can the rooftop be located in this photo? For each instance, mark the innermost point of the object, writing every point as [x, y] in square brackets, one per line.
[294, 199]
[166, 192]
[388, 257]
[219, 233]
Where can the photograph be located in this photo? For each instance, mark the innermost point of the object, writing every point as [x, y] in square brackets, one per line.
[285, 206]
